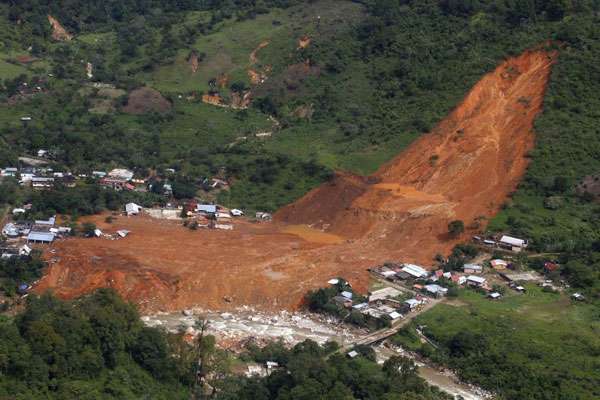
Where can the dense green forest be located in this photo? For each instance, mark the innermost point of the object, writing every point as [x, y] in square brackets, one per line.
[97, 348]
[93, 348]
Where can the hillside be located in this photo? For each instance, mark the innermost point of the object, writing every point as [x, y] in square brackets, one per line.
[399, 213]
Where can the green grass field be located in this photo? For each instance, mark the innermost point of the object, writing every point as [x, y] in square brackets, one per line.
[532, 345]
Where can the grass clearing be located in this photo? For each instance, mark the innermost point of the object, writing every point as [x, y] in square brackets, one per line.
[531, 345]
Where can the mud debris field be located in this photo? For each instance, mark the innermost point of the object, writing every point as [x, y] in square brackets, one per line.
[464, 169]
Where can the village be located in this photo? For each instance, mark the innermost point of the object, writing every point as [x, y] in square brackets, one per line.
[398, 292]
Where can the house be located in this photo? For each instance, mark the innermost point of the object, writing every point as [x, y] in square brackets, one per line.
[499, 264]
[10, 171]
[132, 209]
[333, 281]
[395, 316]
[411, 304]
[98, 174]
[578, 296]
[488, 242]
[494, 295]
[342, 301]
[477, 281]
[42, 153]
[10, 230]
[24, 250]
[263, 216]
[360, 306]
[121, 173]
[236, 213]
[97, 232]
[435, 290]
[123, 233]
[46, 222]
[520, 289]
[346, 294]
[384, 293]
[42, 182]
[352, 354]
[472, 269]
[458, 279]
[415, 271]
[550, 267]
[116, 183]
[40, 237]
[206, 208]
[512, 243]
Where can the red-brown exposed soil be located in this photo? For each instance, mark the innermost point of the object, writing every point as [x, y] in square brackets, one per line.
[464, 169]
[58, 31]
[145, 99]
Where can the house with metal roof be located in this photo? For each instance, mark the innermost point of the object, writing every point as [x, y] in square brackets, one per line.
[415, 271]
[206, 208]
[40, 237]
[474, 280]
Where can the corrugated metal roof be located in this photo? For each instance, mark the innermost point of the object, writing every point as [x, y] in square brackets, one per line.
[41, 236]
[209, 208]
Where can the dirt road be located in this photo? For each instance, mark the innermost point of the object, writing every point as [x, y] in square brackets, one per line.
[464, 169]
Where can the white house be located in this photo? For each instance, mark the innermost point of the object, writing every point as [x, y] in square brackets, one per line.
[513, 243]
[132, 209]
[415, 271]
[236, 213]
[474, 280]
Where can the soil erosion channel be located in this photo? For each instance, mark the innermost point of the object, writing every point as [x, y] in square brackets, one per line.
[464, 169]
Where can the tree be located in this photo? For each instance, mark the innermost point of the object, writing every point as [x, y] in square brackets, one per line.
[88, 228]
[456, 228]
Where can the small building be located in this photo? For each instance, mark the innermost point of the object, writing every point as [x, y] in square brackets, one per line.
[10, 230]
[499, 264]
[39, 182]
[206, 208]
[459, 279]
[17, 211]
[384, 293]
[236, 213]
[520, 289]
[263, 216]
[477, 281]
[333, 281]
[10, 171]
[40, 237]
[411, 304]
[46, 222]
[42, 153]
[395, 316]
[342, 301]
[98, 174]
[123, 233]
[494, 295]
[513, 243]
[415, 271]
[352, 354]
[346, 294]
[24, 250]
[121, 173]
[97, 232]
[550, 267]
[578, 296]
[436, 290]
[472, 269]
[132, 209]
[223, 215]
